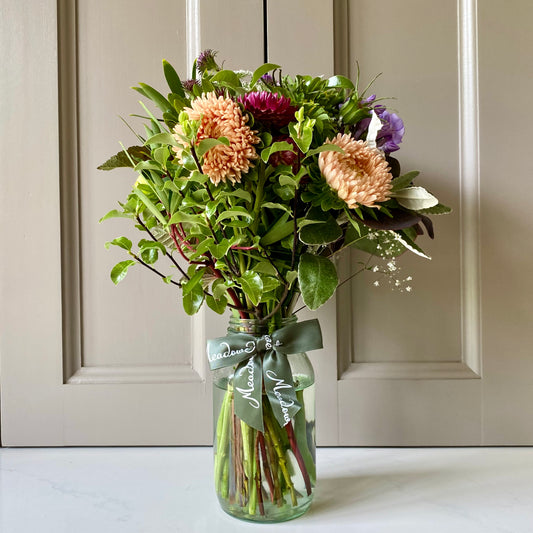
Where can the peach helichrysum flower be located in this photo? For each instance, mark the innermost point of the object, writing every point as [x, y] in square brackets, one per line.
[222, 117]
[361, 176]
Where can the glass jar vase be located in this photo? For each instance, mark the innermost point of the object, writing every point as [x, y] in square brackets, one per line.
[265, 476]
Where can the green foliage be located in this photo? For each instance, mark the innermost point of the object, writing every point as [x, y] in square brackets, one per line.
[318, 279]
[255, 239]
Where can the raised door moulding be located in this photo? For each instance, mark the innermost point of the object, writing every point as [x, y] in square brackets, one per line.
[470, 366]
[74, 372]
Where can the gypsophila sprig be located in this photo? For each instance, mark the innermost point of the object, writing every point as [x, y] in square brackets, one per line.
[249, 183]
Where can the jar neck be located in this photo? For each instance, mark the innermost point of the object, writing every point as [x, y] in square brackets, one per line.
[255, 327]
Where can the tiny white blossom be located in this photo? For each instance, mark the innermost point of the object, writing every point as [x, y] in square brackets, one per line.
[376, 283]
[408, 289]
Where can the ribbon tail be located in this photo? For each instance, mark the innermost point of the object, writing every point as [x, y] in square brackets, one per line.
[279, 387]
[247, 389]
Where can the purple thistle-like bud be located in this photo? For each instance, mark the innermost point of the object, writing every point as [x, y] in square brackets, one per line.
[189, 84]
[269, 109]
[206, 61]
[268, 79]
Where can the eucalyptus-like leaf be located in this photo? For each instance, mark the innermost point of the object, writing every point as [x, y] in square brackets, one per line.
[318, 280]
[252, 286]
[414, 198]
[119, 271]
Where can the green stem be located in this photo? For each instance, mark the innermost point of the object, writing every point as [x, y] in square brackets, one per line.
[221, 455]
[300, 430]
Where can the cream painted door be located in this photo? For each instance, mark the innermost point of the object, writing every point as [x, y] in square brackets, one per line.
[450, 363]
[84, 362]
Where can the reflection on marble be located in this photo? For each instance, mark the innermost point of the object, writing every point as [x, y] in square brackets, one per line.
[163, 490]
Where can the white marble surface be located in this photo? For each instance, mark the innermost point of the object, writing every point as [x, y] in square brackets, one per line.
[163, 490]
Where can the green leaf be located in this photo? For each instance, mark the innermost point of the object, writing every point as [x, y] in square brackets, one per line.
[264, 267]
[404, 181]
[179, 217]
[116, 214]
[237, 193]
[261, 71]
[414, 198]
[234, 213]
[173, 79]
[218, 306]
[206, 144]
[157, 98]
[194, 280]
[404, 239]
[282, 227]
[161, 155]
[321, 233]
[193, 300]
[227, 76]
[302, 133]
[252, 286]
[162, 138]
[149, 255]
[439, 209]
[150, 205]
[273, 205]
[280, 146]
[122, 160]
[318, 280]
[341, 81]
[328, 147]
[167, 279]
[121, 242]
[119, 271]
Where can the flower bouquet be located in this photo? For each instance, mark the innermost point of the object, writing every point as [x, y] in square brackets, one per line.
[249, 185]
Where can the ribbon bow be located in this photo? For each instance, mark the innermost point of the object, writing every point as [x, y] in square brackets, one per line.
[264, 358]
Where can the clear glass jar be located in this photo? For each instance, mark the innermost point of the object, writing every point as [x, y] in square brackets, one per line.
[270, 476]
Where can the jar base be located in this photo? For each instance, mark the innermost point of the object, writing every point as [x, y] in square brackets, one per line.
[273, 514]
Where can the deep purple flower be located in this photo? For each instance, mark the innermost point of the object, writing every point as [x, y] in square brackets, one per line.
[269, 109]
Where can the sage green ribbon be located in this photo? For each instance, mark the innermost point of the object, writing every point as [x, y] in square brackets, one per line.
[264, 359]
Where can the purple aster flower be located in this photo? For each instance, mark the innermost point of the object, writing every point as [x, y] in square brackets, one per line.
[269, 109]
[392, 130]
[391, 133]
